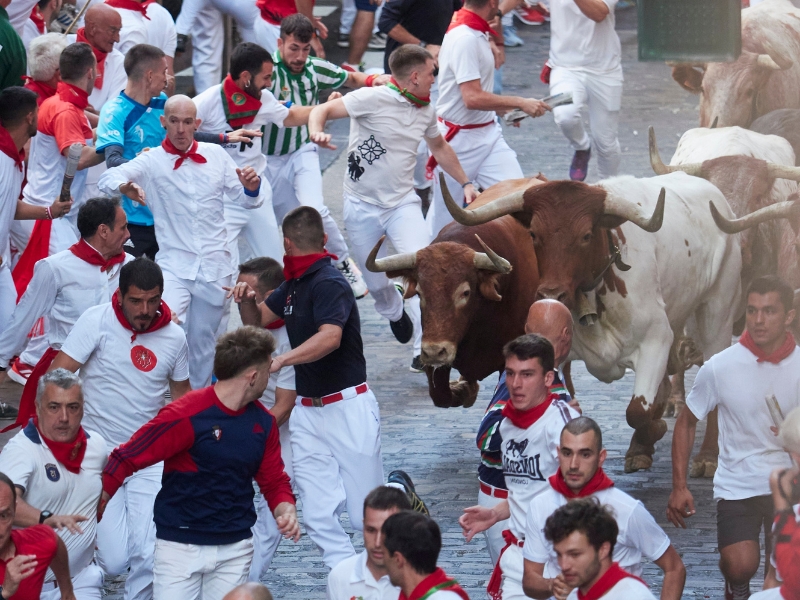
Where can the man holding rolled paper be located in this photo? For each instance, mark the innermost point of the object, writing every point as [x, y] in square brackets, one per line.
[754, 384]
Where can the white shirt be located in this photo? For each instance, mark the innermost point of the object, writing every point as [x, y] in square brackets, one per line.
[63, 287]
[19, 11]
[576, 41]
[12, 178]
[351, 578]
[385, 131]
[187, 206]
[114, 77]
[284, 378]
[530, 456]
[748, 451]
[466, 55]
[124, 381]
[159, 31]
[48, 485]
[639, 534]
[29, 33]
[626, 589]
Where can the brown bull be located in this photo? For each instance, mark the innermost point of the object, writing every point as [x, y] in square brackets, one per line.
[475, 286]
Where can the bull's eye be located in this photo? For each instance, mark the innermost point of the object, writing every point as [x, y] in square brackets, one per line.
[587, 238]
[533, 236]
[465, 294]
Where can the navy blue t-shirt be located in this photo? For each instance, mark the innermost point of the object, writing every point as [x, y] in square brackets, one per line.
[322, 296]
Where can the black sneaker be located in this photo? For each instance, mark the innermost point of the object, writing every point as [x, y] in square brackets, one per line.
[403, 329]
[416, 365]
[402, 478]
[7, 411]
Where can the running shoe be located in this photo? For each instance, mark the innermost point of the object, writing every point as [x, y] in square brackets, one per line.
[530, 15]
[19, 371]
[403, 328]
[359, 68]
[344, 40]
[7, 411]
[510, 37]
[354, 277]
[377, 42]
[580, 165]
[399, 477]
[416, 365]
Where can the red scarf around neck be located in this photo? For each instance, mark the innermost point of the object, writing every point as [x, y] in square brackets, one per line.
[140, 7]
[69, 454]
[240, 107]
[610, 578]
[471, 20]
[777, 356]
[295, 266]
[417, 101]
[72, 94]
[98, 54]
[38, 19]
[9, 148]
[525, 418]
[191, 153]
[40, 88]
[85, 252]
[436, 581]
[599, 482]
[162, 319]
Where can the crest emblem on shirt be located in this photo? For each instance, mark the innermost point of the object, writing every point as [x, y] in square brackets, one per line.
[216, 431]
[143, 358]
[354, 167]
[52, 472]
[371, 150]
[238, 98]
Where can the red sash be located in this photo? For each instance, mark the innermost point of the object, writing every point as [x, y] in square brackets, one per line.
[69, 454]
[38, 248]
[27, 402]
[610, 578]
[295, 266]
[525, 418]
[274, 11]
[240, 107]
[452, 130]
[435, 582]
[9, 148]
[38, 19]
[86, 253]
[162, 319]
[777, 356]
[98, 54]
[191, 153]
[140, 7]
[276, 324]
[72, 94]
[471, 20]
[599, 482]
[495, 586]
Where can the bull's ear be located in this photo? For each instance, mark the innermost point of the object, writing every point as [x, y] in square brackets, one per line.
[688, 77]
[611, 221]
[489, 286]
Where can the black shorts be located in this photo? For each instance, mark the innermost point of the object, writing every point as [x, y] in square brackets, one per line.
[742, 520]
[143, 238]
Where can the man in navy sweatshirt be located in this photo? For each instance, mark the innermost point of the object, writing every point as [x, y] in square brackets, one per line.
[213, 442]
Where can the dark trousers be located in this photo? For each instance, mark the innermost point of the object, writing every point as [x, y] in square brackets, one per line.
[143, 238]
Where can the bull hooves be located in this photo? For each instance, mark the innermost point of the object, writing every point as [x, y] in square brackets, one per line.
[703, 467]
[464, 393]
[674, 406]
[638, 463]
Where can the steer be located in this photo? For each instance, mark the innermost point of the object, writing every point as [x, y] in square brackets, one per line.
[475, 286]
[647, 280]
[766, 76]
[784, 122]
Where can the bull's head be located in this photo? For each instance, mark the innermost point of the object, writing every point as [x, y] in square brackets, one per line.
[569, 223]
[451, 280]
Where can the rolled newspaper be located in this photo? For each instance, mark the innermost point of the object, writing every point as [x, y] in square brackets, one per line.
[551, 101]
[774, 410]
[73, 157]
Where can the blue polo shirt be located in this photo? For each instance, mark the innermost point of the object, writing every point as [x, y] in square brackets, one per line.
[322, 296]
[136, 127]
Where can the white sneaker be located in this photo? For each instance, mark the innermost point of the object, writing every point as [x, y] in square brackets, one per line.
[351, 272]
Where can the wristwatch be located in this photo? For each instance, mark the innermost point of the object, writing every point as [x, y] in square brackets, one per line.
[44, 515]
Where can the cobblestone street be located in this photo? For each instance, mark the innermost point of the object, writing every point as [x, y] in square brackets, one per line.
[437, 446]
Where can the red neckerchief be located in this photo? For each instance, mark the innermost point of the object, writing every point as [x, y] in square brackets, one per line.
[599, 482]
[276, 324]
[162, 319]
[69, 454]
[191, 153]
[777, 356]
[436, 581]
[85, 252]
[140, 7]
[72, 94]
[240, 107]
[98, 54]
[40, 88]
[295, 266]
[9, 148]
[416, 101]
[525, 418]
[610, 578]
[471, 20]
[38, 18]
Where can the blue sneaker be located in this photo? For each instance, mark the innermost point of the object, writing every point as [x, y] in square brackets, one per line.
[510, 36]
[580, 165]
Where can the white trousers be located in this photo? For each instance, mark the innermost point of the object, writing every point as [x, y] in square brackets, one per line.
[513, 565]
[601, 94]
[87, 585]
[773, 593]
[493, 535]
[193, 572]
[259, 228]
[336, 452]
[126, 536]
[199, 305]
[296, 180]
[404, 225]
[486, 159]
[266, 34]
[8, 295]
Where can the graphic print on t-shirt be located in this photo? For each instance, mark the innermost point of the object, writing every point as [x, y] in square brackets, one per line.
[371, 150]
[143, 358]
[517, 465]
[354, 168]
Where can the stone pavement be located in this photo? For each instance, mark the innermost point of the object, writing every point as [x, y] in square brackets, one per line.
[436, 446]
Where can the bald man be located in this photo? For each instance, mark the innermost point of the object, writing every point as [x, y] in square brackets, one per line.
[552, 320]
[249, 591]
[183, 182]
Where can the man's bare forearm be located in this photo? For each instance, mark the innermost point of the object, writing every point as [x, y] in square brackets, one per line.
[682, 443]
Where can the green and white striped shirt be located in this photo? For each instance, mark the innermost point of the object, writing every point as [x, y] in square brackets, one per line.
[302, 89]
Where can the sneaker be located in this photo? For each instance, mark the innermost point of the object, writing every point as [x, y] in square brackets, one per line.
[416, 365]
[344, 40]
[353, 275]
[580, 165]
[359, 68]
[403, 328]
[19, 371]
[399, 477]
[7, 411]
[530, 15]
[510, 37]
[377, 42]
[183, 39]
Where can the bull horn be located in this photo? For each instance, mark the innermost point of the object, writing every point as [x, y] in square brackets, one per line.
[659, 168]
[620, 207]
[491, 261]
[397, 262]
[714, 123]
[783, 171]
[779, 210]
[773, 59]
[502, 206]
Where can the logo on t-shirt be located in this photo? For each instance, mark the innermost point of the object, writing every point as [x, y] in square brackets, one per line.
[354, 168]
[143, 358]
[52, 472]
[216, 431]
[238, 98]
[517, 464]
[371, 150]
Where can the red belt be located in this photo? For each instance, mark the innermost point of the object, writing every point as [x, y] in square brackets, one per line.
[331, 398]
[493, 491]
[452, 130]
[494, 589]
